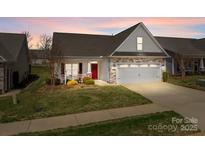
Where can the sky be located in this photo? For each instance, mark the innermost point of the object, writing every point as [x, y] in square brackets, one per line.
[172, 27]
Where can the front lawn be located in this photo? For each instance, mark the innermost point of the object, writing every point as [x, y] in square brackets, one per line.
[189, 81]
[39, 100]
[137, 125]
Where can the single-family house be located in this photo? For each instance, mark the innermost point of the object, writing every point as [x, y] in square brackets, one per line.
[190, 49]
[130, 56]
[14, 60]
[39, 57]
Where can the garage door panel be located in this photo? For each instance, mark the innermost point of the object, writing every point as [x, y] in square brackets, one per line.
[138, 75]
[124, 74]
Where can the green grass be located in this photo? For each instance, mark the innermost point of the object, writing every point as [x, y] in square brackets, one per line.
[37, 102]
[137, 125]
[189, 81]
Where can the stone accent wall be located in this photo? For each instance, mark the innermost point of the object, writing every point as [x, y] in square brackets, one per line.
[114, 62]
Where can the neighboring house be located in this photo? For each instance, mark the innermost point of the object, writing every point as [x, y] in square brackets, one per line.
[191, 49]
[130, 56]
[14, 61]
[38, 57]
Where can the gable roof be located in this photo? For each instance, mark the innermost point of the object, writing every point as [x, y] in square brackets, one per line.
[39, 54]
[163, 53]
[72, 44]
[4, 53]
[185, 46]
[10, 45]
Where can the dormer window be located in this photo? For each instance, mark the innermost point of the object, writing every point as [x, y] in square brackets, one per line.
[139, 43]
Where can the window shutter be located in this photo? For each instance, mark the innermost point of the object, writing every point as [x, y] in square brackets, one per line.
[62, 68]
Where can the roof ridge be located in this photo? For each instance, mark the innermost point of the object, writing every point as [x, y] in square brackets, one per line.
[174, 37]
[80, 34]
[8, 33]
[129, 28]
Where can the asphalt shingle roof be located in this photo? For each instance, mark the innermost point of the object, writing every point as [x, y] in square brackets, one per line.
[38, 54]
[10, 45]
[70, 44]
[186, 46]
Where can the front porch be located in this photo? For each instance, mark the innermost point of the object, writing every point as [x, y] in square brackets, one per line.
[193, 66]
[77, 69]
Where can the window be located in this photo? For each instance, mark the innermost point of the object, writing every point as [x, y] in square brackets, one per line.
[123, 66]
[74, 69]
[153, 65]
[133, 65]
[71, 69]
[144, 65]
[139, 43]
[68, 69]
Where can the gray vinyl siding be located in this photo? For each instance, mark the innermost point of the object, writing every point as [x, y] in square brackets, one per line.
[1, 78]
[130, 44]
[22, 64]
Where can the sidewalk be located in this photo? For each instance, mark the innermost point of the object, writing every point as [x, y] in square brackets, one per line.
[76, 119]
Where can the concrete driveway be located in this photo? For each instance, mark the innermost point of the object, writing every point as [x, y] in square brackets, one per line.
[186, 101]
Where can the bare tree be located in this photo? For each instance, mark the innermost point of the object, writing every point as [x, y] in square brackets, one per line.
[29, 38]
[182, 61]
[55, 60]
[45, 42]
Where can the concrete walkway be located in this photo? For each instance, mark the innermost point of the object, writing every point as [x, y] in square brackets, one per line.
[186, 101]
[11, 93]
[101, 83]
[76, 119]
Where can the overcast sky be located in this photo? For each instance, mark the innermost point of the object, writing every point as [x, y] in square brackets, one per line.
[175, 27]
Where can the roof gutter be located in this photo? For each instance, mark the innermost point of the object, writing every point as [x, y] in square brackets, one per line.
[139, 56]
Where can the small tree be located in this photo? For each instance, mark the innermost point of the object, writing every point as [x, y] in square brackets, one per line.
[182, 61]
[45, 42]
[55, 57]
[29, 38]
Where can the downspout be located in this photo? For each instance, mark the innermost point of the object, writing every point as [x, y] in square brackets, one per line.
[173, 67]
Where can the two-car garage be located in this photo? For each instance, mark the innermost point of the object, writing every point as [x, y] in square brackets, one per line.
[138, 73]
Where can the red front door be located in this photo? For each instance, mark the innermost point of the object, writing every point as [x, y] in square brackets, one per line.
[94, 70]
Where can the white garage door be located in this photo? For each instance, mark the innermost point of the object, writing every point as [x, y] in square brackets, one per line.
[138, 74]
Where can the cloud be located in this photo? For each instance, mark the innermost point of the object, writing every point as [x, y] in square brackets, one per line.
[178, 27]
[176, 31]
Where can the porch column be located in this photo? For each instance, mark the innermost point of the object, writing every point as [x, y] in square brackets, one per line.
[89, 68]
[173, 67]
[202, 64]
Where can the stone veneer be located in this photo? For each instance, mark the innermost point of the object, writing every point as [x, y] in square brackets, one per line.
[114, 62]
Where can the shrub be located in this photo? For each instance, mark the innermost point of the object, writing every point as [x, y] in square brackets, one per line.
[56, 81]
[201, 82]
[72, 83]
[33, 77]
[48, 81]
[165, 76]
[78, 80]
[86, 78]
[89, 82]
